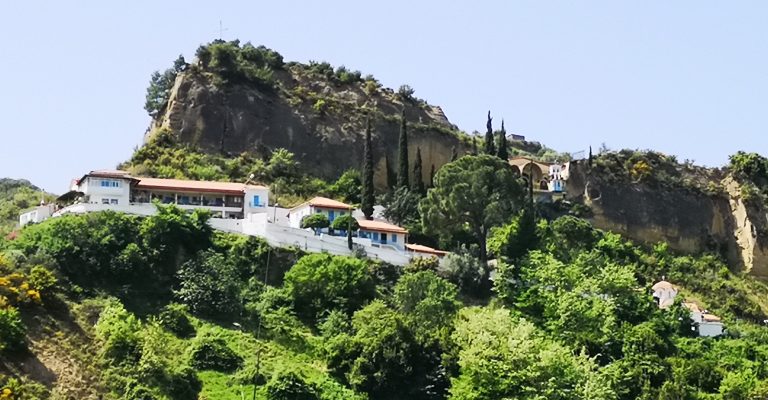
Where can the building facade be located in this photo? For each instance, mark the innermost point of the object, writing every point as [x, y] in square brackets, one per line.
[382, 233]
[318, 205]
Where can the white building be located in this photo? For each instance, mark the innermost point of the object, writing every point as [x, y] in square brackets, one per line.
[382, 233]
[118, 190]
[558, 174]
[547, 177]
[37, 214]
[318, 205]
[707, 324]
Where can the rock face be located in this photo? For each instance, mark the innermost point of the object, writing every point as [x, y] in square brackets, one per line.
[690, 222]
[320, 121]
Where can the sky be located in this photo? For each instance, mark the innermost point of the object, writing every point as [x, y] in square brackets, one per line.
[688, 78]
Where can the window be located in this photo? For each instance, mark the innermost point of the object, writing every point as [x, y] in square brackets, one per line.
[375, 235]
[104, 201]
[113, 201]
[110, 183]
[256, 202]
[394, 238]
[238, 200]
[331, 216]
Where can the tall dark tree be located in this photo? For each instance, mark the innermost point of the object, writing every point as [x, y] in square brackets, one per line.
[454, 154]
[418, 182]
[367, 190]
[391, 175]
[474, 145]
[490, 147]
[432, 176]
[503, 152]
[402, 154]
[590, 156]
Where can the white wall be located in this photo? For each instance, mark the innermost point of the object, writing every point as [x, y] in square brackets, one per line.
[92, 187]
[249, 207]
[710, 329]
[38, 214]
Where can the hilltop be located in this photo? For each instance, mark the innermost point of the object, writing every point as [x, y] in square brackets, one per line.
[16, 195]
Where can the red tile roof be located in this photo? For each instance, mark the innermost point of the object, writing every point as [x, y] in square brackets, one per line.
[328, 203]
[379, 226]
[425, 249]
[194, 186]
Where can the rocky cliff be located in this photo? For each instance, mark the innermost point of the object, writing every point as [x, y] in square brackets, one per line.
[307, 111]
[689, 220]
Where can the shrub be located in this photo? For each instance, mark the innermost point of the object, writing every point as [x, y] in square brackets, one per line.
[290, 385]
[315, 221]
[174, 318]
[344, 222]
[213, 353]
[12, 330]
[209, 285]
[41, 278]
[463, 270]
[120, 334]
[321, 282]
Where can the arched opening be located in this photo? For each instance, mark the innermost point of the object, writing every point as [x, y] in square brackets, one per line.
[543, 185]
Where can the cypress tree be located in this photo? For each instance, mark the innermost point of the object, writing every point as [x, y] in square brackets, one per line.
[432, 176]
[391, 178]
[590, 156]
[454, 154]
[418, 183]
[503, 152]
[402, 171]
[367, 189]
[490, 148]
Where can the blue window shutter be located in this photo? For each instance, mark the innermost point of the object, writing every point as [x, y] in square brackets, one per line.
[330, 215]
[256, 201]
[394, 238]
[375, 235]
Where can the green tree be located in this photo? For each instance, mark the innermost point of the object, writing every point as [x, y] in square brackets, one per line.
[490, 148]
[367, 190]
[209, 285]
[454, 154]
[348, 186]
[429, 304]
[402, 207]
[402, 153]
[345, 222]
[474, 145]
[319, 283]
[290, 385]
[501, 357]
[472, 194]
[315, 221]
[160, 86]
[12, 330]
[418, 181]
[503, 151]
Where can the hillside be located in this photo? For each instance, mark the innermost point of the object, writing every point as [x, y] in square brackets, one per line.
[15, 197]
[163, 308]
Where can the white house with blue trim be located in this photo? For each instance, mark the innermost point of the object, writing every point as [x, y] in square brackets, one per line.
[318, 205]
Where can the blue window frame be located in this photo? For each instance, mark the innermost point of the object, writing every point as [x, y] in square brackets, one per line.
[331, 215]
[394, 238]
[375, 235]
[256, 202]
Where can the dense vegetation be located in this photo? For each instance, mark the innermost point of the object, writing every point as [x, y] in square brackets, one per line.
[178, 311]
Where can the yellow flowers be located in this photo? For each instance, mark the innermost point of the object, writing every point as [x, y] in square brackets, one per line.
[15, 290]
[6, 394]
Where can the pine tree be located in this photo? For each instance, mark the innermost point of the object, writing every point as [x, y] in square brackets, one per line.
[367, 190]
[503, 151]
[454, 154]
[402, 171]
[418, 183]
[490, 148]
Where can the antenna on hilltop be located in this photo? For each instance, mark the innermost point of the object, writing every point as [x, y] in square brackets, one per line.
[221, 30]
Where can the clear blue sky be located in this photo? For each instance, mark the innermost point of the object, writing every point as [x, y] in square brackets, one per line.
[683, 77]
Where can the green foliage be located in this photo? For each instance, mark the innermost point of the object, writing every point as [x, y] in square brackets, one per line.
[12, 330]
[405, 92]
[15, 197]
[174, 318]
[290, 385]
[428, 304]
[42, 279]
[213, 353]
[418, 180]
[160, 86]
[345, 222]
[515, 239]
[233, 63]
[401, 207]
[319, 283]
[209, 285]
[464, 271]
[315, 221]
[120, 334]
[503, 151]
[490, 147]
[348, 186]
[22, 389]
[504, 357]
[472, 194]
